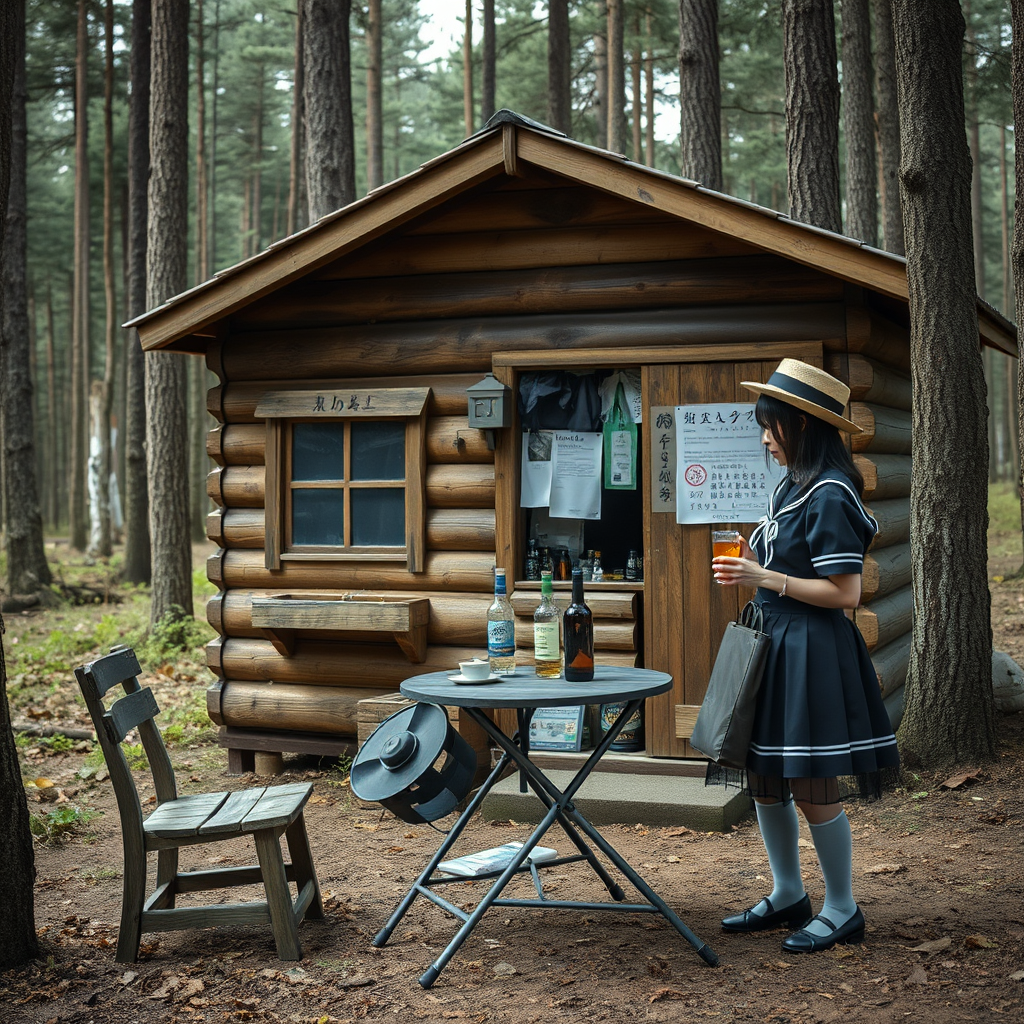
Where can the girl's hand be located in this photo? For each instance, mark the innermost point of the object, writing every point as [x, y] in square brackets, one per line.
[732, 572]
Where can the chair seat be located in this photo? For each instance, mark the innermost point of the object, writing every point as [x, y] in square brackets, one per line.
[222, 814]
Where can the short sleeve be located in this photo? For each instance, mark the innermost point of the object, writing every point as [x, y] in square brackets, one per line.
[838, 530]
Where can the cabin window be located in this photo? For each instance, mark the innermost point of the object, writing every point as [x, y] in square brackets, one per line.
[347, 482]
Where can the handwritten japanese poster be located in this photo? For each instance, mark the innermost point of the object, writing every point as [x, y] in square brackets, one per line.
[720, 466]
[663, 458]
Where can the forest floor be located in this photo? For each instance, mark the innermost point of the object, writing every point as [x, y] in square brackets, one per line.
[938, 871]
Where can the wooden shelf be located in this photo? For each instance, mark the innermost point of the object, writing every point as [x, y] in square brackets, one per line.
[279, 616]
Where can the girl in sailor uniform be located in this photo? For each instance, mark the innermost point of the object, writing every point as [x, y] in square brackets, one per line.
[819, 713]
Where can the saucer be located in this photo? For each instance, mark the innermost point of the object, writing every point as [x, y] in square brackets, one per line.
[462, 680]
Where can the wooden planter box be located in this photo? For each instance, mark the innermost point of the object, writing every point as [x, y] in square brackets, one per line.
[405, 619]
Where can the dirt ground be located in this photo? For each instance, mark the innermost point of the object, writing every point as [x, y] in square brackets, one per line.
[938, 871]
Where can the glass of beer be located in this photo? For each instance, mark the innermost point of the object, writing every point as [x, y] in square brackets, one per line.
[726, 542]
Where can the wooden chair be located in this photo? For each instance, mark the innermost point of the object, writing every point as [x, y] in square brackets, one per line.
[262, 812]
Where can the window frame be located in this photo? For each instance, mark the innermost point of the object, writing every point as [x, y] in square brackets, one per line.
[281, 409]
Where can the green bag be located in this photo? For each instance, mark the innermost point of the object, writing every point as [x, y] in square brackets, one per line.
[620, 446]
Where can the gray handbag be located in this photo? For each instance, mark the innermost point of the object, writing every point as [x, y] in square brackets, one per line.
[726, 718]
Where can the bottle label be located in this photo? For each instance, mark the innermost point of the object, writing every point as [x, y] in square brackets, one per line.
[545, 641]
[501, 639]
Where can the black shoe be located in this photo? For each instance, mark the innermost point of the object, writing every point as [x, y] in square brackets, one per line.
[794, 916]
[804, 941]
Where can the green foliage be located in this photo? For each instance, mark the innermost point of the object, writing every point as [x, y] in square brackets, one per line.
[1003, 508]
[176, 635]
[59, 825]
[135, 755]
[59, 744]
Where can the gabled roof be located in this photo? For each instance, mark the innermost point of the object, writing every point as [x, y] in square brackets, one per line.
[501, 149]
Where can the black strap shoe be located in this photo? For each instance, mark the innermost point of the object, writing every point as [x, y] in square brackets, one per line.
[804, 941]
[794, 916]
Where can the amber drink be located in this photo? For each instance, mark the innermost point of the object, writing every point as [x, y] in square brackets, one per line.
[728, 543]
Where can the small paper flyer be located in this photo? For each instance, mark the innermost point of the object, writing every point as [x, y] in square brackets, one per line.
[721, 472]
[575, 475]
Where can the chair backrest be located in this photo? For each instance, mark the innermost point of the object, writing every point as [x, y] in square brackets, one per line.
[135, 710]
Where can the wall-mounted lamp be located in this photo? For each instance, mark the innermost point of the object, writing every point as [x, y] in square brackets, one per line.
[490, 406]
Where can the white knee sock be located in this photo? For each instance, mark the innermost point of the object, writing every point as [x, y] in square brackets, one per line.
[834, 845]
[780, 830]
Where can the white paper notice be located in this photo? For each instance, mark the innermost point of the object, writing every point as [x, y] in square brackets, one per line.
[536, 472]
[575, 475]
[720, 468]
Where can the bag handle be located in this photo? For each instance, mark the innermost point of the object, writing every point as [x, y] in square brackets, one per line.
[752, 616]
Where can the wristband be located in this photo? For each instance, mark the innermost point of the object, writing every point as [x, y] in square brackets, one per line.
[785, 583]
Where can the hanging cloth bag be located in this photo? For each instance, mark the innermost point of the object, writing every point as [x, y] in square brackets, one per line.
[726, 718]
[620, 445]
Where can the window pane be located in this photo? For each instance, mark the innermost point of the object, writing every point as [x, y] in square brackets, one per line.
[378, 450]
[318, 516]
[318, 451]
[378, 517]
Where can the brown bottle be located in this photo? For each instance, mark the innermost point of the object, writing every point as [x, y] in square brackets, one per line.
[578, 635]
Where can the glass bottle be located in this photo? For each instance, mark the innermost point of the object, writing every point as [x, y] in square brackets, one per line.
[598, 570]
[547, 660]
[632, 566]
[578, 635]
[532, 562]
[563, 569]
[501, 630]
[587, 565]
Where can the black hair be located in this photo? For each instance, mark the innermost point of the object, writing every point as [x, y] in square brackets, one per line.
[811, 445]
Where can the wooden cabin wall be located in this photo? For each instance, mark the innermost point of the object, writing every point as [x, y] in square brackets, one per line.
[537, 268]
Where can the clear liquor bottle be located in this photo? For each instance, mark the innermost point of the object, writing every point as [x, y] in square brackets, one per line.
[547, 658]
[578, 635]
[501, 630]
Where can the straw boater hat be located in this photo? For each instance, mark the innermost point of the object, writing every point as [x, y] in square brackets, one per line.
[810, 389]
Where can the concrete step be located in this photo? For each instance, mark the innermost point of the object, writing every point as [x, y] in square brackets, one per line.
[608, 798]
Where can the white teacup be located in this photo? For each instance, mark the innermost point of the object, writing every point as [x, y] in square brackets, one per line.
[475, 669]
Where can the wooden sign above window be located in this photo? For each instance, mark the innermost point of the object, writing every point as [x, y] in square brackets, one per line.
[369, 403]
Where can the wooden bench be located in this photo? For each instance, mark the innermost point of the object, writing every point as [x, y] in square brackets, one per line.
[262, 812]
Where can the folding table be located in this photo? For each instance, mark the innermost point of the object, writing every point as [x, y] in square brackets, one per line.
[525, 692]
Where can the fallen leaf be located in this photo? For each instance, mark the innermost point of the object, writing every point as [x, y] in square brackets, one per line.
[673, 859]
[885, 869]
[356, 981]
[933, 945]
[918, 976]
[956, 781]
[666, 993]
[1017, 976]
[980, 942]
[503, 969]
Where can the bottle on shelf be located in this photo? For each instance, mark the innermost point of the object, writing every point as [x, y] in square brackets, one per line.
[545, 561]
[532, 562]
[598, 571]
[587, 565]
[632, 566]
[578, 635]
[547, 659]
[501, 630]
[563, 567]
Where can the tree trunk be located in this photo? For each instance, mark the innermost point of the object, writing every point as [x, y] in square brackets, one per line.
[812, 112]
[601, 75]
[888, 121]
[374, 98]
[202, 263]
[257, 166]
[1004, 223]
[636, 74]
[467, 70]
[18, 942]
[327, 95]
[488, 77]
[80, 310]
[700, 94]
[616, 94]
[859, 124]
[295, 159]
[137, 567]
[949, 710]
[27, 569]
[166, 392]
[54, 448]
[649, 94]
[1017, 248]
[559, 67]
[974, 141]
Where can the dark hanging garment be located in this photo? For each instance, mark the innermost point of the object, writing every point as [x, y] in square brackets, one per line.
[560, 400]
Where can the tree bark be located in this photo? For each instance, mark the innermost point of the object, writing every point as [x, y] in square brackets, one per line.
[27, 568]
[700, 94]
[559, 70]
[18, 943]
[166, 391]
[80, 304]
[974, 142]
[859, 124]
[888, 122]
[601, 75]
[949, 711]
[374, 97]
[636, 75]
[616, 93]
[327, 95]
[649, 93]
[467, 70]
[137, 568]
[488, 76]
[1017, 248]
[812, 112]
[297, 117]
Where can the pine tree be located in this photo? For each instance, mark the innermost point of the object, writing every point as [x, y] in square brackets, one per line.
[700, 97]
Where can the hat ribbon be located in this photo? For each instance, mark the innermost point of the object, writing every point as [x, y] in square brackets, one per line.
[799, 389]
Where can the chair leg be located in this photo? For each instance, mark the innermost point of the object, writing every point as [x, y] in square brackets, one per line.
[167, 870]
[302, 862]
[279, 900]
[133, 898]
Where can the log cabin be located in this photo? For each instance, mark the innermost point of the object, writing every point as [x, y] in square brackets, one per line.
[520, 252]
